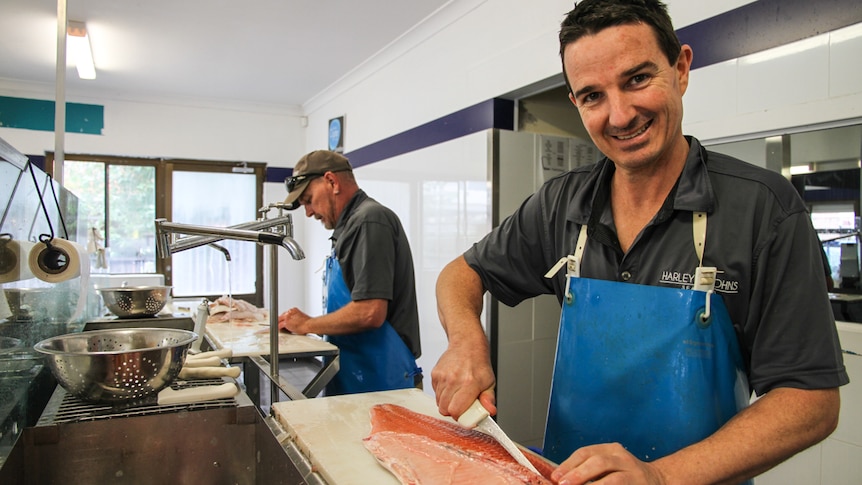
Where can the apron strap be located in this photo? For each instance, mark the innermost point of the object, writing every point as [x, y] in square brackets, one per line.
[572, 262]
[698, 225]
[704, 276]
[704, 279]
[579, 252]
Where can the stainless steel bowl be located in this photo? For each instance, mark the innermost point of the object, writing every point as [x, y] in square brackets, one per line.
[112, 366]
[135, 301]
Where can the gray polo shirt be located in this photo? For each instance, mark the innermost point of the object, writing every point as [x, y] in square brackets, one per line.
[376, 261]
[759, 235]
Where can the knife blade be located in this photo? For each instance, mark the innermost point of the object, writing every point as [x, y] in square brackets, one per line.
[477, 417]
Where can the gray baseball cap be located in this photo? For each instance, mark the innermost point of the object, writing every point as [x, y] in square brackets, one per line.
[310, 166]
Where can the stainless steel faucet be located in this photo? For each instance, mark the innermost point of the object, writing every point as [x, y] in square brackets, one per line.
[277, 231]
[221, 249]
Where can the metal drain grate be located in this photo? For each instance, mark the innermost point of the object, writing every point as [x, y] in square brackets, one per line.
[66, 408]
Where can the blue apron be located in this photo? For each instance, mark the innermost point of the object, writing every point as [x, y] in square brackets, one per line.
[653, 368]
[373, 360]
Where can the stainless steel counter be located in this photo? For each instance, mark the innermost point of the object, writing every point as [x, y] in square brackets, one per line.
[213, 442]
[249, 343]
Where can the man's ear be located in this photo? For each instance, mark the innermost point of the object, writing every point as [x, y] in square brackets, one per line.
[683, 67]
[332, 180]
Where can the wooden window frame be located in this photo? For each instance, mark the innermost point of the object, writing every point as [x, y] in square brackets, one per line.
[164, 204]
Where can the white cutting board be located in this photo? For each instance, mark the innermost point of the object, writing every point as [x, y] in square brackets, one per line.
[329, 432]
[249, 339]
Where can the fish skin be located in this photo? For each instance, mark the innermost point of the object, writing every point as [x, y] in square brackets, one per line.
[392, 417]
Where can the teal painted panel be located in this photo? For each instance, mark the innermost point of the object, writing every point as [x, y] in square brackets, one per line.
[37, 114]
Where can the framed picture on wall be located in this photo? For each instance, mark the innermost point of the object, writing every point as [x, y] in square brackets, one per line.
[336, 134]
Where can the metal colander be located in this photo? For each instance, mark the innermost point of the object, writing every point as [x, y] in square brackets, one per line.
[112, 366]
[135, 301]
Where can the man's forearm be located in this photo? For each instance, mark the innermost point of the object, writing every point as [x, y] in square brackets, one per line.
[780, 424]
[464, 370]
[459, 297]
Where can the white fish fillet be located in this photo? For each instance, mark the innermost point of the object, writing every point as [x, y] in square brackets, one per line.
[226, 309]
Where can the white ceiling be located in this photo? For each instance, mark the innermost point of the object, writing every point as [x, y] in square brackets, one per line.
[279, 53]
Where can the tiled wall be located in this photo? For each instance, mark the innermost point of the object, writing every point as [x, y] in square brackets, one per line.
[809, 82]
[838, 459]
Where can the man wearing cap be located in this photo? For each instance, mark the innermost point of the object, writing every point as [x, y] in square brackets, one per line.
[370, 292]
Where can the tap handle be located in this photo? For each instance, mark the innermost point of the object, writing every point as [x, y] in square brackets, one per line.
[163, 240]
[281, 206]
[270, 238]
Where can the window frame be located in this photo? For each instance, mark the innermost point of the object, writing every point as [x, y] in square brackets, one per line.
[164, 204]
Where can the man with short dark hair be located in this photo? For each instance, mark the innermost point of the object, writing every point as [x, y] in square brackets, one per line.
[680, 274]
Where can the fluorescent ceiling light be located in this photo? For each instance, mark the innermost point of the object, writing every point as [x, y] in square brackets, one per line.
[78, 47]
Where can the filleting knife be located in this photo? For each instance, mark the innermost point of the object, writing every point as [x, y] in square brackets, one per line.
[476, 416]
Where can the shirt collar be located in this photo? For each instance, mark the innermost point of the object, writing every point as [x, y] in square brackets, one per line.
[693, 191]
[351, 206]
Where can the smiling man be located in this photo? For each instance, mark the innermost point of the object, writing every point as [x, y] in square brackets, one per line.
[678, 271]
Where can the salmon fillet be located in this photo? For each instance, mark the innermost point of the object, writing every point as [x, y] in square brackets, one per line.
[419, 460]
[420, 449]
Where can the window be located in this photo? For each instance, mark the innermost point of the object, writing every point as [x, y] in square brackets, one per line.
[119, 204]
[220, 200]
[122, 197]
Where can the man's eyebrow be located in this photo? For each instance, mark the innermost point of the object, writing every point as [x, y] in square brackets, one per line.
[646, 65]
[583, 90]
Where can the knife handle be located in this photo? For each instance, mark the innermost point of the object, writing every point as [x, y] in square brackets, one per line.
[473, 415]
[212, 361]
[225, 353]
[208, 372]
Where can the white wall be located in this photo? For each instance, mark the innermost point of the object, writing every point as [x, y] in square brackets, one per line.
[472, 51]
[810, 82]
[166, 128]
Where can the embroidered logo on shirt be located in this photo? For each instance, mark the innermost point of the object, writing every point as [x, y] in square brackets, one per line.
[686, 281]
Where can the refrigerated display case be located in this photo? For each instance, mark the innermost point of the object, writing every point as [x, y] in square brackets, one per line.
[32, 205]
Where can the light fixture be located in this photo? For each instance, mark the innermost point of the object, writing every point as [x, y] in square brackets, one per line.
[78, 47]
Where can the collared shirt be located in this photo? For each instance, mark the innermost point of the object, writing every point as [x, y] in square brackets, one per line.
[759, 236]
[375, 258]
